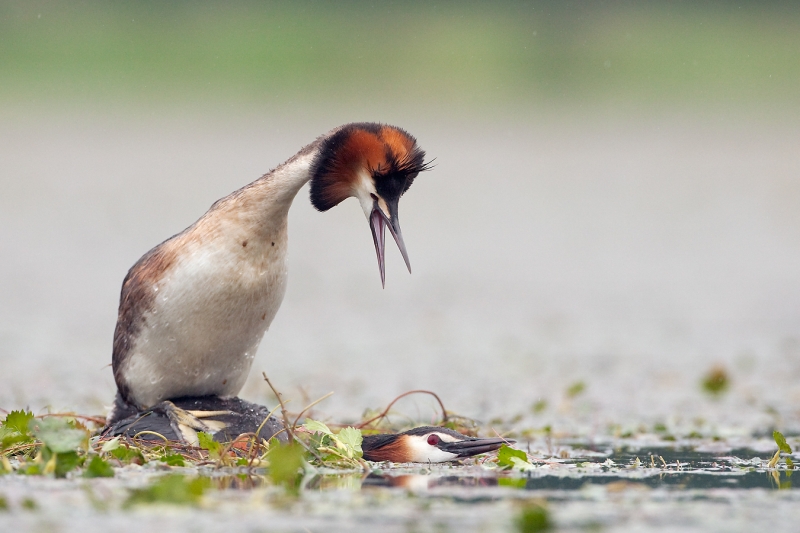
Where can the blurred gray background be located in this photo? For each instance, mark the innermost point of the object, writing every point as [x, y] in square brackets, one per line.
[615, 201]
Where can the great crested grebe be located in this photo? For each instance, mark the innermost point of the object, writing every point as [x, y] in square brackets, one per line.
[427, 444]
[194, 309]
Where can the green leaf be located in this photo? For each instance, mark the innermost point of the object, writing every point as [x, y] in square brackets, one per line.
[533, 518]
[18, 421]
[207, 442]
[58, 435]
[31, 469]
[512, 482]
[12, 440]
[174, 459]
[521, 465]
[790, 463]
[14, 429]
[29, 504]
[110, 445]
[173, 489]
[505, 454]
[126, 455]
[716, 381]
[576, 389]
[351, 440]
[285, 464]
[780, 440]
[539, 406]
[98, 468]
[317, 427]
[318, 440]
[66, 462]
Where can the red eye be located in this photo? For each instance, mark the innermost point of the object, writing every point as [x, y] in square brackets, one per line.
[433, 440]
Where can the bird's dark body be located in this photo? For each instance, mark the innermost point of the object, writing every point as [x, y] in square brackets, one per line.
[241, 417]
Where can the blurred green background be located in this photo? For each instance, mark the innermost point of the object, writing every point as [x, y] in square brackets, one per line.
[615, 199]
[459, 54]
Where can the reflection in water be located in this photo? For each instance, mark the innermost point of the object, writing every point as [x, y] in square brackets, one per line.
[239, 481]
[422, 482]
[349, 481]
[675, 469]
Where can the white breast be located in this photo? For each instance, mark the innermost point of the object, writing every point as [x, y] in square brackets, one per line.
[211, 309]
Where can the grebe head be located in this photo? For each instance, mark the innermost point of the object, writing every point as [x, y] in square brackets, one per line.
[375, 163]
[427, 444]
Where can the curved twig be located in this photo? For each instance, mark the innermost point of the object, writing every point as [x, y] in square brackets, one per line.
[261, 426]
[285, 414]
[95, 419]
[388, 407]
[148, 432]
[309, 406]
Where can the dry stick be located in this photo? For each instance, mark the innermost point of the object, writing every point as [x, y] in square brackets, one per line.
[285, 415]
[20, 447]
[388, 407]
[309, 406]
[502, 437]
[289, 430]
[95, 419]
[251, 451]
[147, 432]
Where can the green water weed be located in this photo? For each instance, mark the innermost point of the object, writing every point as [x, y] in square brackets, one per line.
[173, 489]
[533, 518]
[98, 467]
[342, 448]
[716, 381]
[784, 447]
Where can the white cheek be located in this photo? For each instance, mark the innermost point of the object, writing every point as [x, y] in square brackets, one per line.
[363, 189]
[422, 452]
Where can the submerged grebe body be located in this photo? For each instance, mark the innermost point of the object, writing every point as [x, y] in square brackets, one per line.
[427, 444]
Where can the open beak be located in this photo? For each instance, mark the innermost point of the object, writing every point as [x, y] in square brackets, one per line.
[470, 447]
[378, 222]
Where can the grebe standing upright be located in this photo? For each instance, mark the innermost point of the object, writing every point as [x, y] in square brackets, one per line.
[193, 310]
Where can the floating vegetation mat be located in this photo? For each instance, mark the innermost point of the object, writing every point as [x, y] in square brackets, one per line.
[58, 474]
[578, 485]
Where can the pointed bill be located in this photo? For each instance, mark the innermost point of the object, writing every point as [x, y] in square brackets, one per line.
[394, 229]
[377, 223]
[469, 447]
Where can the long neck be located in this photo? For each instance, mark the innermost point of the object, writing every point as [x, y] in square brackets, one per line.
[262, 206]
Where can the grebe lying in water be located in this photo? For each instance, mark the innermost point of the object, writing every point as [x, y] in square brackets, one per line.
[427, 444]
